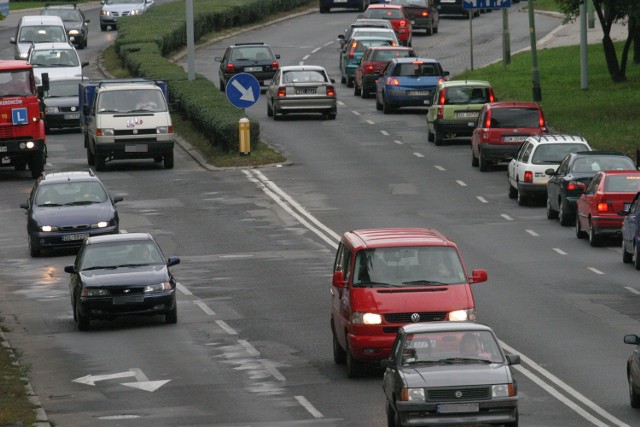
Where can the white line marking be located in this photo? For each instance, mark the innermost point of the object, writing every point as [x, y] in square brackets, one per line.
[204, 308]
[309, 407]
[356, 113]
[371, 122]
[316, 49]
[533, 233]
[183, 289]
[560, 251]
[341, 103]
[418, 154]
[236, 256]
[461, 183]
[273, 371]
[632, 290]
[384, 132]
[304, 58]
[250, 349]
[507, 217]
[482, 199]
[328, 44]
[595, 270]
[228, 329]
[398, 142]
[440, 168]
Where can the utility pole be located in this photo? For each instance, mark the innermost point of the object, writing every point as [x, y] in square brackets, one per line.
[535, 72]
[191, 72]
[506, 38]
[584, 67]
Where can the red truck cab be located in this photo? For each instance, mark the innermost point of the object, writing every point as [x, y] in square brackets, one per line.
[22, 131]
[386, 278]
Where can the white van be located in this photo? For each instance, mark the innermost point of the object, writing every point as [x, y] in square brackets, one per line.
[37, 29]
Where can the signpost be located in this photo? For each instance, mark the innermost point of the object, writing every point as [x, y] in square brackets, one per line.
[243, 90]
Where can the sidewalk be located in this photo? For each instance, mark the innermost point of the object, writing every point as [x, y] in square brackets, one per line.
[569, 34]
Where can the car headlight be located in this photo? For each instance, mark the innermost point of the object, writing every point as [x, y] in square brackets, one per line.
[24, 55]
[105, 13]
[503, 390]
[136, 12]
[51, 110]
[101, 224]
[74, 32]
[410, 394]
[94, 292]
[104, 132]
[166, 286]
[462, 315]
[48, 228]
[366, 318]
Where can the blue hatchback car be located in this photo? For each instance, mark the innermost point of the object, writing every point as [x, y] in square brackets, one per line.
[408, 82]
[631, 233]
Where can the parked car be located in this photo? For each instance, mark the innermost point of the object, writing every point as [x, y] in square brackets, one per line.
[398, 17]
[256, 59]
[449, 373]
[526, 171]
[66, 207]
[371, 65]
[501, 129]
[75, 22]
[563, 186]
[112, 10]
[121, 275]
[352, 54]
[630, 233]
[62, 104]
[327, 5]
[408, 82]
[37, 29]
[301, 89]
[59, 60]
[386, 278]
[633, 370]
[455, 108]
[363, 23]
[424, 14]
[598, 210]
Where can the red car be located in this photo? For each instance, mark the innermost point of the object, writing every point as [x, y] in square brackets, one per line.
[398, 17]
[373, 61]
[598, 209]
[501, 129]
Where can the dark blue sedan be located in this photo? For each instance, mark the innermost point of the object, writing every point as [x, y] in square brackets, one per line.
[408, 82]
[65, 207]
[631, 234]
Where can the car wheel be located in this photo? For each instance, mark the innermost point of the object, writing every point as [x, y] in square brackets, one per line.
[168, 160]
[172, 316]
[36, 164]
[634, 396]
[343, 79]
[33, 250]
[353, 367]
[437, 136]
[324, 9]
[356, 90]
[332, 116]
[378, 104]
[339, 355]
[222, 87]
[627, 257]
[580, 233]
[103, 27]
[101, 162]
[484, 164]
[364, 91]
[563, 213]
[474, 159]
[522, 199]
[269, 110]
[551, 213]
[349, 81]
[513, 192]
[83, 321]
[430, 30]
[386, 107]
[637, 259]
[91, 159]
[391, 416]
[594, 239]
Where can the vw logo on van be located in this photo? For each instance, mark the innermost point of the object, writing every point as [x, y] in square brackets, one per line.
[415, 317]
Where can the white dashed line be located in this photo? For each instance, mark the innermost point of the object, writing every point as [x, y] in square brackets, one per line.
[328, 43]
[461, 183]
[533, 233]
[482, 199]
[204, 308]
[398, 142]
[309, 407]
[341, 103]
[356, 113]
[183, 289]
[371, 122]
[632, 290]
[418, 154]
[560, 251]
[273, 371]
[440, 168]
[595, 270]
[228, 329]
[507, 217]
[384, 132]
[304, 58]
[250, 349]
[316, 49]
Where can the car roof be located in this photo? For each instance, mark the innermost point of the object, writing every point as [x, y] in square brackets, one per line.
[512, 104]
[69, 176]
[394, 237]
[412, 60]
[445, 326]
[41, 19]
[451, 83]
[365, 22]
[249, 44]
[598, 153]
[632, 172]
[385, 6]
[398, 48]
[60, 6]
[551, 138]
[302, 68]
[54, 45]
[121, 237]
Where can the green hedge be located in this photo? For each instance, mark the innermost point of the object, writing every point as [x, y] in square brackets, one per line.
[144, 41]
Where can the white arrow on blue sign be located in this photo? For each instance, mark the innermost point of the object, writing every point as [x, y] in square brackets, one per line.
[243, 90]
[486, 4]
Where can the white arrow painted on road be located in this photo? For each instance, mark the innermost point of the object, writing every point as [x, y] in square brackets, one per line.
[142, 383]
[247, 94]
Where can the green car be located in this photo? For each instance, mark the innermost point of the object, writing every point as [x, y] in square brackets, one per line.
[455, 107]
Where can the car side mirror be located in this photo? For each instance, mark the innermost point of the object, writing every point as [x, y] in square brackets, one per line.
[446, 73]
[117, 199]
[513, 359]
[387, 363]
[478, 276]
[24, 205]
[12, 40]
[632, 339]
[278, 56]
[341, 36]
[84, 64]
[338, 279]
[87, 20]
[218, 59]
[173, 260]
[71, 269]
[550, 172]
[332, 80]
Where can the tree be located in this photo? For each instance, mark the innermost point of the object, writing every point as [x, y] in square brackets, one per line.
[610, 12]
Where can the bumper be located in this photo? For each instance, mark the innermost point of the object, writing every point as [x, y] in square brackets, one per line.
[422, 23]
[607, 225]
[306, 105]
[533, 190]
[499, 152]
[62, 120]
[457, 127]
[371, 348]
[18, 149]
[100, 308]
[108, 20]
[402, 100]
[134, 148]
[66, 240]
[494, 412]
[263, 78]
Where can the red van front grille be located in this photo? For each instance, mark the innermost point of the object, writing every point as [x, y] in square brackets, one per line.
[406, 317]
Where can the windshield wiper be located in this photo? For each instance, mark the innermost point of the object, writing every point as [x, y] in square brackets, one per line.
[50, 204]
[424, 282]
[371, 284]
[81, 202]
[463, 360]
[99, 267]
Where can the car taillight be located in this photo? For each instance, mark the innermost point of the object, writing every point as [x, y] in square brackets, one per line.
[351, 53]
[442, 98]
[331, 91]
[487, 120]
[403, 23]
[282, 92]
[541, 121]
[275, 65]
[491, 97]
[231, 68]
[425, 14]
[393, 82]
[603, 207]
[441, 111]
[369, 68]
[440, 80]
[528, 176]
[572, 185]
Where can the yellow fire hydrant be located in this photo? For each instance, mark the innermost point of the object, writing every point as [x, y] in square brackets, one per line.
[245, 137]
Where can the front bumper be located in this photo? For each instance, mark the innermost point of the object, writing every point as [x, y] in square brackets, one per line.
[371, 348]
[66, 239]
[496, 411]
[134, 148]
[62, 120]
[106, 307]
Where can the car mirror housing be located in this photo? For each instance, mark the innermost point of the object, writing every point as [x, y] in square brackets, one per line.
[478, 276]
[513, 359]
[550, 172]
[117, 199]
[173, 260]
[70, 269]
[24, 205]
[387, 363]
[632, 339]
[338, 279]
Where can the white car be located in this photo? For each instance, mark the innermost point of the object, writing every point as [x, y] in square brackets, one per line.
[59, 60]
[526, 171]
[112, 10]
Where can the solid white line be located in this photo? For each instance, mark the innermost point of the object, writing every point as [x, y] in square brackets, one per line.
[328, 44]
[398, 142]
[236, 256]
[482, 199]
[560, 251]
[228, 329]
[371, 122]
[507, 217]
[183, 289]
[595, 270]
[250, 349]
[273, 371]
[204, 308]
[316, 49]
[341, 103]
[304, 58]
[632, 290]
[309, 407]
[440, 168]
[418, 154]
[533, 233]
[384, 132]
[461, 183]
[356, 113]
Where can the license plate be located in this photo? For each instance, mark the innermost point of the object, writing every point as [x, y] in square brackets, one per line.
[72, 116]
[467, 115]
[418, 92]
[514, 138]
[447, 1]
[129, 299]
[305, 91]
[454, 408]
[73, 237]
[3, 149]
[627, 206]
[137, 148]
[253, 68]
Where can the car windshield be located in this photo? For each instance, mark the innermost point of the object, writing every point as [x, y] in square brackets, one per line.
[592, 164]
[375, 13]
[16, 83]
[70, 193]
[304, 76]
[41, 34]
[54, 58]
[417, 69]
[385, 55]
[62, 88]
[408, 266]
[451, 347]
[66, 15]
[124, 1]
[252, 53]
[422, 3]
[515, 118]
[126, 254]
[131, 100]
[622, 183]
[554, 153]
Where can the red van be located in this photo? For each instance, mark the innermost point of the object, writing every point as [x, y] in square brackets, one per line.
[389, 277]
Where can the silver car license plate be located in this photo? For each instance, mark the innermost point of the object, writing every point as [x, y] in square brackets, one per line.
[418, 92]
[467, 114]
[306, 91]
[453, 408]
[73, 237]
[137, 148]
[72, 116]
[514, 138]
[253, 68]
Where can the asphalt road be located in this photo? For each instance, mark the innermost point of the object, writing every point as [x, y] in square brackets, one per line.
[252, 346]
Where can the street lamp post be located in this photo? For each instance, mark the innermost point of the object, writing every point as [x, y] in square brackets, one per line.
[535, 72]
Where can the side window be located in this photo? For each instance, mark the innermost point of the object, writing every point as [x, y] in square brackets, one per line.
[635, 208]
[343, 261]
[564, 166]
[593, 185]
[396, 350]
[526, 153]
[387, 69]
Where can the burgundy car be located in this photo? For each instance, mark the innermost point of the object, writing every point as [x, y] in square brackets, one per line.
[372, 63]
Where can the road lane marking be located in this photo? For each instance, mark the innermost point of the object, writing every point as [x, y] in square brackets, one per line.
[482, 199]
[418, 154]
[341, 103]
[316, 49]
[398, 142]
[228, 329]
[384, 132]
[507, 217]
[461, 183]
[183, 289]
[632, 290]
[268, 365]
[440, 168]
[204, 308]
[560, 251]
[533, 233]
[371, 122]
[250, 349]
[595, 270]
[355, 112]
[309, 407]
[304, 58]
[328, 43]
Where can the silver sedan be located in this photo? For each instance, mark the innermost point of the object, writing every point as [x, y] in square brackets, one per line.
[301, 89]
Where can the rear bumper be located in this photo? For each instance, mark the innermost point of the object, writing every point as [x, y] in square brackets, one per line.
[17, 149]
[607, 225]
[305, 105]
[458, 127]
[533, 190]
[499, 152]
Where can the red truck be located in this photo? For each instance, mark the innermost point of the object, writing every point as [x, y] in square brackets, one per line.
[22, 131]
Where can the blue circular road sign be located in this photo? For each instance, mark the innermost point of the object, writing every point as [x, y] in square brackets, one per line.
[243, 90]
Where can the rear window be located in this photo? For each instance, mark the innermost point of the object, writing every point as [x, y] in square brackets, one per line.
[515, 118]
[622, 184]
[387, 55]
[253, 53]
[417, 69]
[362, 45]
[367, 33]
[590, 164]
[311, 76]
[383, 14]
[422, 3]
[554, 153]
[467, 95]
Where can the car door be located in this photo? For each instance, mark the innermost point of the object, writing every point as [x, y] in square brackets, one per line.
[516, 165]
[555, 182]
[585, 205]
[340, 297]
[390, 379]
[433, 108]
[475, 136]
